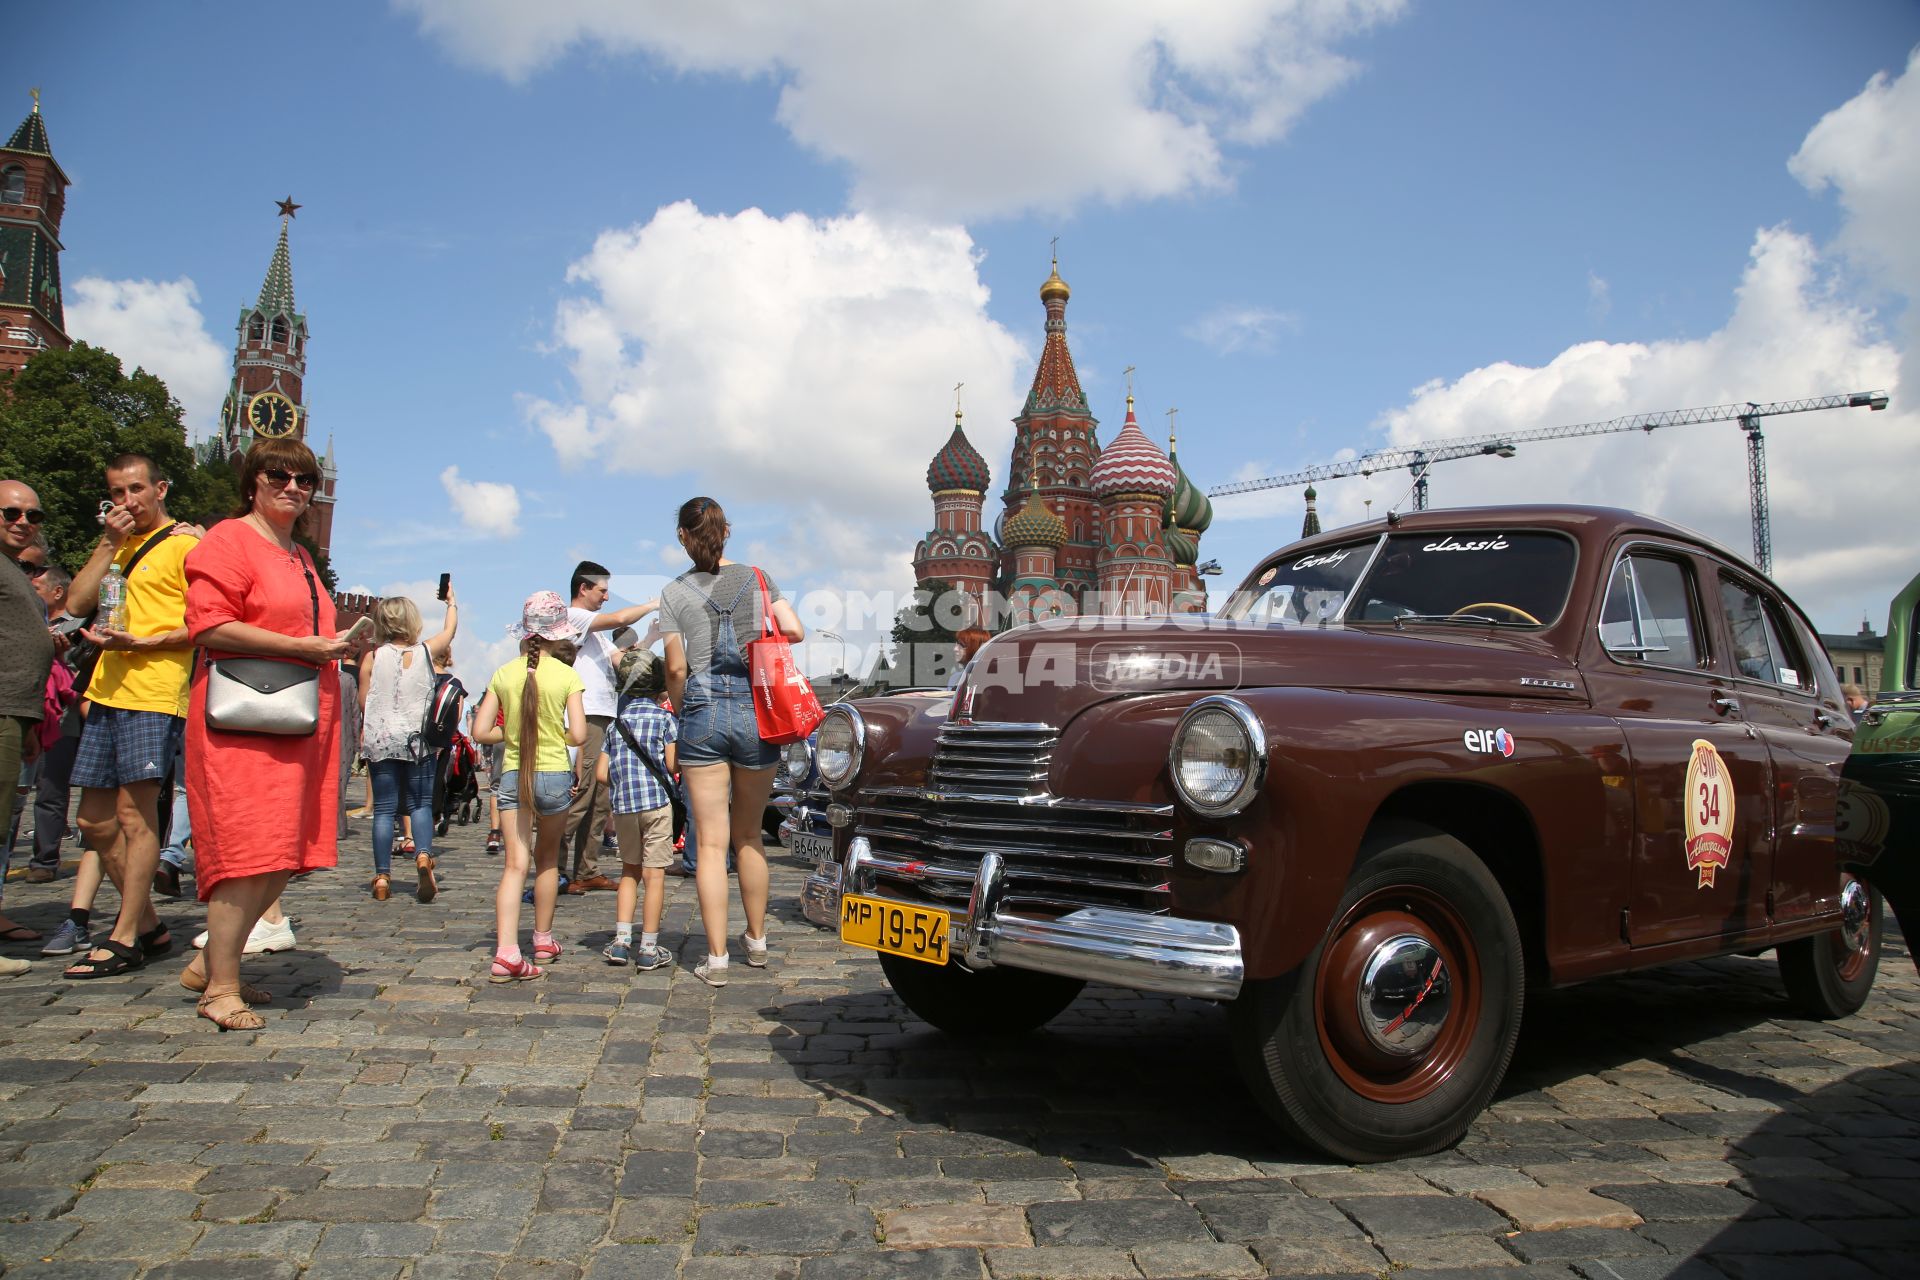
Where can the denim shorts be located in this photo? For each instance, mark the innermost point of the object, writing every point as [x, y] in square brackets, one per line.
[120, 746]
[552, 791]
[724, 731]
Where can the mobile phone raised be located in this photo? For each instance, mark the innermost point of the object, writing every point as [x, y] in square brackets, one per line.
[446, 581]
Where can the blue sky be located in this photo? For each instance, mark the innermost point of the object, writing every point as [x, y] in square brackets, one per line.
[599, 257]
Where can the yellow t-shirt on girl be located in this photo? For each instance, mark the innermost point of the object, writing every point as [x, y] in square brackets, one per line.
[556, 681]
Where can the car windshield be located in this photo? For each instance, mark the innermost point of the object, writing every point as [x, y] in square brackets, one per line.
[1301, 589]
[1467, 576]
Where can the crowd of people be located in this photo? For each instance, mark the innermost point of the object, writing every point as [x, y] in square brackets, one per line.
[194, 686]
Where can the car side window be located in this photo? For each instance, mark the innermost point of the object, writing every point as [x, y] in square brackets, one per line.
[1649, 615]
[1762, 645]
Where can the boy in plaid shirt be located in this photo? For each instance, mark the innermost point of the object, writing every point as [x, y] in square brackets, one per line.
[642, 808]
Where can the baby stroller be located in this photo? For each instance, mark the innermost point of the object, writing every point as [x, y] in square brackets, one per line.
[460, 783]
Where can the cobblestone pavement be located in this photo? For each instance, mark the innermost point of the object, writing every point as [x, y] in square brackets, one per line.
[401, 1117]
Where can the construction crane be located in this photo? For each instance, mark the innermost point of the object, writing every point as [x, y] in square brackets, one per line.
[1419, 458]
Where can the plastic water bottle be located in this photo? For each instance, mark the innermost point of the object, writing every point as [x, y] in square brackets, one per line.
[113, 599]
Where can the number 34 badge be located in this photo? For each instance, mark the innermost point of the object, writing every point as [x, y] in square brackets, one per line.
[1709, 812]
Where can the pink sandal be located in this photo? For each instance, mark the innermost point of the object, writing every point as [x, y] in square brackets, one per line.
[546, 951]
[521, 970]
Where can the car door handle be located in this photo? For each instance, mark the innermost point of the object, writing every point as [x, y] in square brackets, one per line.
[1822, 719]
[1726, 706]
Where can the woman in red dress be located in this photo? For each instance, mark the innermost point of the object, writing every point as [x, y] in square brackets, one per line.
[262, 804]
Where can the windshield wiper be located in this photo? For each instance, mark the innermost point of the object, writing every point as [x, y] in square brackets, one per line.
[1403, 618]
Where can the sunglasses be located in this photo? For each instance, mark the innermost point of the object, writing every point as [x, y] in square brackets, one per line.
[32, 515]
[34, 570]
[279, 479]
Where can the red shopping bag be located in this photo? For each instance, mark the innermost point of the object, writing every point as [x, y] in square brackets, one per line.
[783, 703]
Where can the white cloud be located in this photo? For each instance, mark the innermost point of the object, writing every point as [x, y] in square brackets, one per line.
[1232, 328]
[156, 325]
[989, 107]
[788, 366]
[1599, 297]
[1833, 476]
[485, 507]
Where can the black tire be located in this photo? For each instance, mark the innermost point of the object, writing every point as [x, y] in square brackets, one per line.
[987, 1002]
[1303, 1039]
[1830, 975]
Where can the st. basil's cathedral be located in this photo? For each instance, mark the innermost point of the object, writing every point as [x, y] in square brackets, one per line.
[1082, 528]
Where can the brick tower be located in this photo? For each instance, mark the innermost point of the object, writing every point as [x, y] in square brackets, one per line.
[33, 195]
[265, 399]
[1054, 446]
[957, 549]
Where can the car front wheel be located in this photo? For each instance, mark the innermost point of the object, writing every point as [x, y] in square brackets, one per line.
[1394, 1033]
[984, 1002]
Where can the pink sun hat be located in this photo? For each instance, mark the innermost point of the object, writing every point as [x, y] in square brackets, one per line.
[544, 615]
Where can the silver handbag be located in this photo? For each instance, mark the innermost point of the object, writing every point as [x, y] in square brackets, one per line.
[263, 695]
[266, 695]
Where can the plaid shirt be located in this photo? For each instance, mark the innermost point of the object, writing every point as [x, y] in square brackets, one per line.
[635, 789]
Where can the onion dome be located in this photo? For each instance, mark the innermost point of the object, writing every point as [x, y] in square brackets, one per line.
[1131, 463]
[1311, 525]
[1055, 287]
[1189, 508]
[958, 465]
[1182, 547]
[1034, 525]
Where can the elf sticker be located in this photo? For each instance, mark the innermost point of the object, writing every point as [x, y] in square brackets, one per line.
[1709, 800]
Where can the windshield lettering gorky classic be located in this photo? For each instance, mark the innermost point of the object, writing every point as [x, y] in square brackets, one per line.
[1301, 590]
[1477, 576]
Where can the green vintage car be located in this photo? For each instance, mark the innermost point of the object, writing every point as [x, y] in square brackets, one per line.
[1879, 816]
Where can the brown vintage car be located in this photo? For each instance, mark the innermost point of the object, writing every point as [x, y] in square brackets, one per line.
[1410, 768]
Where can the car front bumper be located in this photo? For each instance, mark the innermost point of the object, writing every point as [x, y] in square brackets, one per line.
[1162, 954]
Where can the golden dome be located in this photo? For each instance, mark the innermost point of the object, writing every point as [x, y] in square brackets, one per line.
[1055, 287]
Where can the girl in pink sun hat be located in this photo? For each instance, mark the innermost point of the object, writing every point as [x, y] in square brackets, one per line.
[533, 704]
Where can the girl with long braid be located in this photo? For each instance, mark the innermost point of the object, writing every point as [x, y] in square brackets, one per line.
[533, 704]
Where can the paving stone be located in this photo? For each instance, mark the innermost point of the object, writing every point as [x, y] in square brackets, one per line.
[1577, 1243]
[397, 1204]
[1061, 1263]
[25, 1241]
[295, 1240]
[1197, 1260]
[635, 1262]
[261, 1269]
[1664, 1267]
[146, 1241]
[1354, 1256]
[561, 1237]
[1244, 1218]
[138, 1205]
[1664, 1202]
[1116, 1223]
[1558, 1208]
[783, 1230]
[1420, 1215]
[974, 1226]
[375, 1240]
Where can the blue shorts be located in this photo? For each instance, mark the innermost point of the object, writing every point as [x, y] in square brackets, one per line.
[724, 731]
[552, 791]
[119, 746]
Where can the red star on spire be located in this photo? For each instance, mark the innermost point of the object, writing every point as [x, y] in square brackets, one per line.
[287, 207]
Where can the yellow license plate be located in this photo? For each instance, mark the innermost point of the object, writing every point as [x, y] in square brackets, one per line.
[918, 933]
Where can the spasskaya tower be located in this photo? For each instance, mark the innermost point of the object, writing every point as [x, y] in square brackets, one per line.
[266, 398]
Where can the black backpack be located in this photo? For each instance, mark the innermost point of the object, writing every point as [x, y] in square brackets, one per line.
[442, 719]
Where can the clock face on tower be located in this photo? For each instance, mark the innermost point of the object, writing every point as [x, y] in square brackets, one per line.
[272, 415]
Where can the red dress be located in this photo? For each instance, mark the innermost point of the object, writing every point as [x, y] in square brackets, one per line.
[259, 802]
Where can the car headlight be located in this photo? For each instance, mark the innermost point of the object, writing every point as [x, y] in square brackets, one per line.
[795, 759]
[1218, 757]
[839, 746]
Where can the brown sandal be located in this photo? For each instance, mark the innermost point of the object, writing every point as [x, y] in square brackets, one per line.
[423, 864]
[381, 888]
[241, 1019]
[248, 992]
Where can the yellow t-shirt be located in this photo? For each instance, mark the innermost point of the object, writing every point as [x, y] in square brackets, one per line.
[556, 681]
[155, 679]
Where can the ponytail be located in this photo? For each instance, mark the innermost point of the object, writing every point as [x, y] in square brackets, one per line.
[527, 738]
[705, 525]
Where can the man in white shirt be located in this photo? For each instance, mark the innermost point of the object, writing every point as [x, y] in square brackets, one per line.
[595, 665]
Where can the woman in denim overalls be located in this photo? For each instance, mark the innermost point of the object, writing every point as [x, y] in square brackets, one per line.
[708, 615]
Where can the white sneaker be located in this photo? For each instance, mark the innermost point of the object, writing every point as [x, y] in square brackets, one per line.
[708, 974]
[11, 968]
[756, 956]
[263, 938]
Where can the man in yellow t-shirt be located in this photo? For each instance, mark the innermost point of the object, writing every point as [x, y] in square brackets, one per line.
[139, 705]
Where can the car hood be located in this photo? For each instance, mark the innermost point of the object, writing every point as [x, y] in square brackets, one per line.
[1048, 672]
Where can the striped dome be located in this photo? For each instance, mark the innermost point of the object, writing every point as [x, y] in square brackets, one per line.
[958, 465]
[1035, 526]
[1191, 508]
[1181, 546]
[1131, 463]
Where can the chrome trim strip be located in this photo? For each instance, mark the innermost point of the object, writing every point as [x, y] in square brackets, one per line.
[938, 796]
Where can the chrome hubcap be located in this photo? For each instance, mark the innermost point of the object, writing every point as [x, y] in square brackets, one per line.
[1856, 907]
[1404, 996]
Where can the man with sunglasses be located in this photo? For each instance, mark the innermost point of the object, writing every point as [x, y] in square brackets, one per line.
[138, 696]
[26, 656]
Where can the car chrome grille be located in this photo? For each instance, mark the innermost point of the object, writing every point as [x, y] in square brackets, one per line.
[987, 793]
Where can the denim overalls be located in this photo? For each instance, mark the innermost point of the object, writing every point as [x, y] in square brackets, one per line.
[717, 723]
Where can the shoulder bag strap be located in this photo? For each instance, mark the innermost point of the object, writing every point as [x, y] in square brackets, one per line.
[659, 774]
[766, 603]
[153, 540]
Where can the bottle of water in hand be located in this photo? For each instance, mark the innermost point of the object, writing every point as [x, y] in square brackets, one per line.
[113, 600]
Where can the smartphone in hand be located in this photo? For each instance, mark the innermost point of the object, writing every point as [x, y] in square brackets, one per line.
[360, 630]
[446, 581]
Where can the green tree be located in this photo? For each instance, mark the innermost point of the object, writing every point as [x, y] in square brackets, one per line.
[68, 413]
[918, 622]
